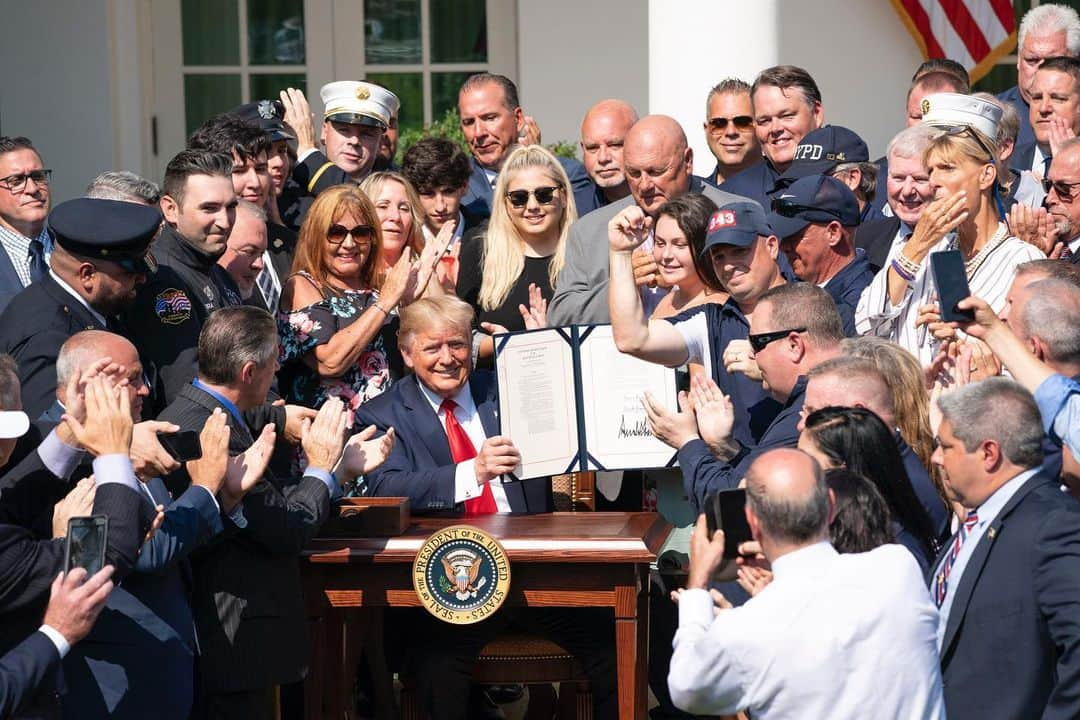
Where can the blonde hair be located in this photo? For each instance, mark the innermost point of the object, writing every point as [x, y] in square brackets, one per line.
[437, 311]
[372, 186]
[973, 146]
[504, 255]
[911, 402]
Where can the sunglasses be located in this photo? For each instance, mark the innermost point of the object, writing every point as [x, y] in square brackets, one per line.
[741, 122]
[360, 234]
[543, 195]
[790, 209]
[16, 183]
[760, 341]
[959, 130]
[1064, 190]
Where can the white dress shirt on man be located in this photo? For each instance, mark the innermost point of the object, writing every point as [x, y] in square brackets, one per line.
[833, 636]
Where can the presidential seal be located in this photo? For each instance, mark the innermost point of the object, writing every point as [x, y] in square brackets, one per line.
[461, 575]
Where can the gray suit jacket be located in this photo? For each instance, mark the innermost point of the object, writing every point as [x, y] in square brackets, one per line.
[581, 290]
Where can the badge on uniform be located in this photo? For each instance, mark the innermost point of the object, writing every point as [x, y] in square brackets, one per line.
[461, 575]
[172, 306]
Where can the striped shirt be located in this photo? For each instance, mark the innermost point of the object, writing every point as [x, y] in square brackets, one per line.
[877, 316]
[17, 246]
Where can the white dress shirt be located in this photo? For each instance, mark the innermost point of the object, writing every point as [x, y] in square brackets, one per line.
[832, 636]
[465, 485]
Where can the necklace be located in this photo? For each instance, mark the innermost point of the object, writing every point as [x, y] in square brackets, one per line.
[971, 266]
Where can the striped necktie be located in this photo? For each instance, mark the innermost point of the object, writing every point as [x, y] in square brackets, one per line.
[942, 581]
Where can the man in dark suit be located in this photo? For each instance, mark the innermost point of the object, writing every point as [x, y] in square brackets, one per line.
[101, 256]
[356, 114]
[448, 458]
[1008, 583]
[24, 203]
[247, 600]
[603, 134]
[493, 123]
[101, 423]
[74, 604]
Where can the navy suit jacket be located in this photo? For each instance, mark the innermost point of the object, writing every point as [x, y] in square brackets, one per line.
[1011, 647]
[24, 668]
[1012, 95]
[420, 466]
[10, 284]
[477, 199]
[149, 616]
[1022, 156]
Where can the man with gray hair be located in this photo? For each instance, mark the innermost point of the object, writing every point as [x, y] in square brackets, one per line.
[1008, 583]
[124, 186]
[907, 191]
[777, 655]
[244, 257]
[1046, 31]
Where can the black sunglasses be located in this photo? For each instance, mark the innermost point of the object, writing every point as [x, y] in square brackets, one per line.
[336, 233]
[741, 122]
[1065, 190]
[790, 209]
[760, 341]
[958, 130]
[543, 195]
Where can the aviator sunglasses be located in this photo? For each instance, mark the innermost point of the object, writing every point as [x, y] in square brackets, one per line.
[741, 122]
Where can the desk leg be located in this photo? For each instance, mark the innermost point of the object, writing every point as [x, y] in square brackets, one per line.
[632, 650]
[316, 676]
[336, 691]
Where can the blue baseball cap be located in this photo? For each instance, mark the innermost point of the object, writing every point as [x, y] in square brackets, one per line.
[737, 223]
[821, 150]
[813, 199]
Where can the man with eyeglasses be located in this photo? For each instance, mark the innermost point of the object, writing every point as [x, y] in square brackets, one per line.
[787, 106]
[815, 219]
[100, 258]
[24, 204]
[729, 129]
[1055, 229]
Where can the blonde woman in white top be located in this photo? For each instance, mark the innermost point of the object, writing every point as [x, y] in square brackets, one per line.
[964, 178]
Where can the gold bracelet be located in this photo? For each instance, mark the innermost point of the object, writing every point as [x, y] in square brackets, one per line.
[380, 307]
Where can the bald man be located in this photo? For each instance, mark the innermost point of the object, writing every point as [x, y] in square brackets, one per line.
[603, 137]
[856, 382]
[659, 166]
[776, 656]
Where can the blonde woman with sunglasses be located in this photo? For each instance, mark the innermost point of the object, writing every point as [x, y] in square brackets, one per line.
[508, 272]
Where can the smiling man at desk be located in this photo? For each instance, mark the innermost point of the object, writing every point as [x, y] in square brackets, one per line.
[448, 458]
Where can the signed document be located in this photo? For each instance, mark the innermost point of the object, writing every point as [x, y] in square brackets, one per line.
[571, 402]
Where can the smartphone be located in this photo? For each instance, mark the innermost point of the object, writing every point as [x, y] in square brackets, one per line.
[183, 445]
[85, 543]
[950, 277]
[725, 510]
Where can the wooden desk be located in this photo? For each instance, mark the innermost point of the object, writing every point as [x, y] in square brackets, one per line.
[557, 560]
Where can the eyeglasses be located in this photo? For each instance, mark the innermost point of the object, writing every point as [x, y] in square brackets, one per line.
[1063, 189]
[790, 209]
[361, 234]
[741, 122]
[760, 341]
[543, 195]
[17, 183]
[959, 130]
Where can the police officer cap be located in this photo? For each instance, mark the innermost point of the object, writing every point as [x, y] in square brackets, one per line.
[358, 103]
[953, 109]
[821, 150]
[812, 199]
[112, 230]
[268, 115]
[737, 223]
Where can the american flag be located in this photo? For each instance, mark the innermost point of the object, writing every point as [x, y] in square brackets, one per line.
[975, 33]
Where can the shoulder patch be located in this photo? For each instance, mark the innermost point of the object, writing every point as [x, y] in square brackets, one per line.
[172, 306]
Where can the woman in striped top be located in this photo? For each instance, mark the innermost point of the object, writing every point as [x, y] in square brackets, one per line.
[966, 179]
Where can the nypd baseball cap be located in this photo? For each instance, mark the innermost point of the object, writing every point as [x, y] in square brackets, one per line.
[813, 199]
[821, 150]
[737, 223]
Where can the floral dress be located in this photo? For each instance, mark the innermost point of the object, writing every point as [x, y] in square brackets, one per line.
[304, 329]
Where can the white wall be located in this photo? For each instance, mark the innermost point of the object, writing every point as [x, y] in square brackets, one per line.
[572, 53]
[859, 53]
[56, 87]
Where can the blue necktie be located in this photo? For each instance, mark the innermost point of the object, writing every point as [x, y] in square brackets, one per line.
[38, 267]
[1046, 165]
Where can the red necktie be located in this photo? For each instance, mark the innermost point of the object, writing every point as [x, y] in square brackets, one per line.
[462, 449]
